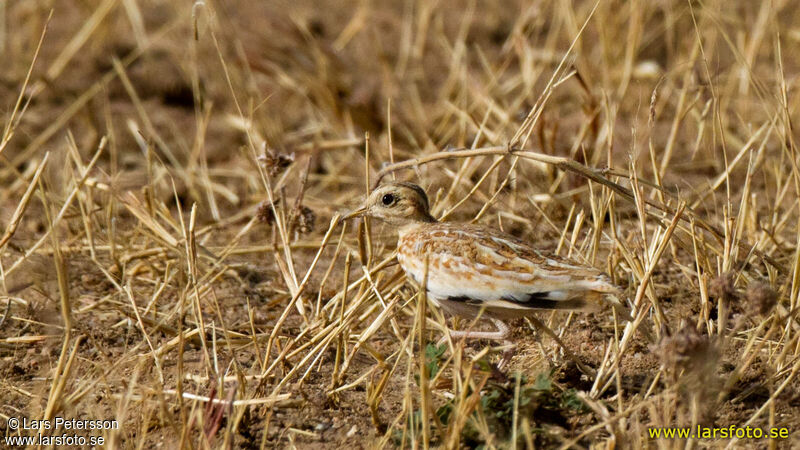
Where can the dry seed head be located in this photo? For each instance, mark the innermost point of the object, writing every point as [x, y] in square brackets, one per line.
[761, 297]
[722, 286]
[688, 349]
[304, 220]
[264, 213]
[275, 162]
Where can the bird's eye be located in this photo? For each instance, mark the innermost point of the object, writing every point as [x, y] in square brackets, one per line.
[387, 199]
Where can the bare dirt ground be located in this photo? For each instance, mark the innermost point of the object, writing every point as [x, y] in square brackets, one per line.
[171, 174]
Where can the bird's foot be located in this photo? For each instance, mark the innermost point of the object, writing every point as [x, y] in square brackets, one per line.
[509, 349]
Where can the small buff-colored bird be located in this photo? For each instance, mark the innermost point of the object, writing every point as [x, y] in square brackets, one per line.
[474, 270]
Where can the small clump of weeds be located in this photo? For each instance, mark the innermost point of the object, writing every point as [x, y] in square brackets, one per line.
[538, 400]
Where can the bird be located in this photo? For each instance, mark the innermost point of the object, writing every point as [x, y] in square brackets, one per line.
[475, 271]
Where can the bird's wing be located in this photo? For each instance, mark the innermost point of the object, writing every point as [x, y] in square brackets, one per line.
[497, 270]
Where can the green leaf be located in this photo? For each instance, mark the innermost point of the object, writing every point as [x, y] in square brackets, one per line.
[444, 411]
[542, 382]
[433, 355]
[571, 400]
[432, 352]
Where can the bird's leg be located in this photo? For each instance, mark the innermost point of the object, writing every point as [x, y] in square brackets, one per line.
[500, 335]
[510, 347]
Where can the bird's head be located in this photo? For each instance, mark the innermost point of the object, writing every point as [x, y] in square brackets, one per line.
[397, 203]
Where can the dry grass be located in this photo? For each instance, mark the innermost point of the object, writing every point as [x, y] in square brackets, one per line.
[173, 176]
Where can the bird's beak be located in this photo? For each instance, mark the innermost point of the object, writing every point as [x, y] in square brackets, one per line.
[358, 212]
